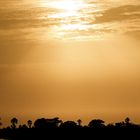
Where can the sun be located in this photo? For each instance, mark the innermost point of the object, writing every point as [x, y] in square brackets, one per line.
[68, 14]
[67, 5]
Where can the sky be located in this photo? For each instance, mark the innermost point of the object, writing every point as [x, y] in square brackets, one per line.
[70, 58]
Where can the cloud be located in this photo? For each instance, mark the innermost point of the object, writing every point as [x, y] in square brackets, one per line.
[27, 18]
[94, 21]
[117, 14]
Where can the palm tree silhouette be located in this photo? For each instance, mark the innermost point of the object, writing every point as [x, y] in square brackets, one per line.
[79, 122]
[29, 122]
[14, 121]
[127, 120]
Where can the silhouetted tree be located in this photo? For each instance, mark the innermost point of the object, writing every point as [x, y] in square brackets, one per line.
[127, 121]
[47, 123]
[0, 123]
[40, 123]
[53, 123]
[79, 122]
[119, 124]
[29, 122]
[14, 121]
[97, 123]
[23, 127]
[110, 125]
[49, 128]
[69, 125]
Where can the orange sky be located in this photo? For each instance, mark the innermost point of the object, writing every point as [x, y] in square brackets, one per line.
[82, 62]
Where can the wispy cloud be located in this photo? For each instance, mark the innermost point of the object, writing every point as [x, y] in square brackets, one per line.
[98, 17]
[118, 14]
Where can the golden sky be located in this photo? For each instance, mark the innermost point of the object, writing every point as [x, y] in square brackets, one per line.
[70, 58]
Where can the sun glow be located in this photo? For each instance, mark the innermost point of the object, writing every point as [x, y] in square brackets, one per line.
[71, 17]
[68, 5]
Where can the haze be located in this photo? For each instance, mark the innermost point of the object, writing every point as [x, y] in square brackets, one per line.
[79, 62]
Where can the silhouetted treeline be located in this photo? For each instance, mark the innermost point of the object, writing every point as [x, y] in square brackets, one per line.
[56, 128]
